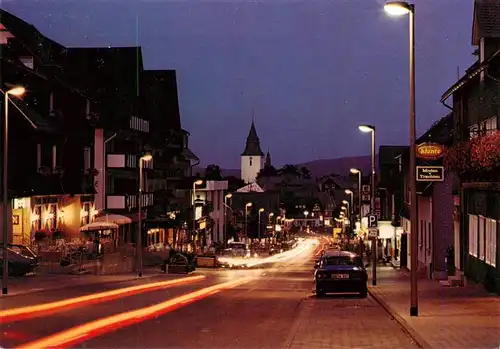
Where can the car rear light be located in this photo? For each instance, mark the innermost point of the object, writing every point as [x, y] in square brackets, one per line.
[321, 275]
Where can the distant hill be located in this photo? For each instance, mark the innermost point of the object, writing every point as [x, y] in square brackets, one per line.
[319, 168]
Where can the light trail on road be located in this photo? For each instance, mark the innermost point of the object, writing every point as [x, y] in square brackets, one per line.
[41, 310]
[303, 247]
[85, 332]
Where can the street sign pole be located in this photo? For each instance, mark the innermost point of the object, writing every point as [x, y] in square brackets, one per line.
[373, 225]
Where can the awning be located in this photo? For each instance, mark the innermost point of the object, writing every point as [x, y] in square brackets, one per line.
[114, 218]
[94, 226]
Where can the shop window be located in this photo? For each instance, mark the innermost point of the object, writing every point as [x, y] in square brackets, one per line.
[491, 242]
[473, 234]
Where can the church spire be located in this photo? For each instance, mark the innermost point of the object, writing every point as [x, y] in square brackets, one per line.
[268, 160]
[252, 147]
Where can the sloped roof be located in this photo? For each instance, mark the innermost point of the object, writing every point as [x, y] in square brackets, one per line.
[252, 147]
[486, 22]
[251, 188]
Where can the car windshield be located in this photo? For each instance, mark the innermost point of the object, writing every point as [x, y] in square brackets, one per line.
[22, 250]
[344, 260]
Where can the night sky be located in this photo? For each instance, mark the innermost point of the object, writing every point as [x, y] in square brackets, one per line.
[310, 71]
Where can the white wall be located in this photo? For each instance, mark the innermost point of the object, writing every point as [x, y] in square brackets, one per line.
[250, 167]
[214, 191]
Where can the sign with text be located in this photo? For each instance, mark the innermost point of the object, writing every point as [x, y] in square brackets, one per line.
[430, 173]
[372, 232]
[429, 151]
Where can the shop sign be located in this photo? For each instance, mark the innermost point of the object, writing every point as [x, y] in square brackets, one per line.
[373, 232]
[430, 173]
[429, 151]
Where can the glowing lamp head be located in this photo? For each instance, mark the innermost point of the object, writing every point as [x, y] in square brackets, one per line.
[261, 210]
[348, 191]
[345, 202]
[366, 128]
[344, 208]
[17, 91]
[397, 8]
[355, 171]
[198, 182]
[229, 196]
[146, 157]
[249, 204]
[306, 212]
[271, 214]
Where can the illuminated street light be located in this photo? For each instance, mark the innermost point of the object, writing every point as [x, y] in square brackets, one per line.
[397, 8]
[358, 172]
[142, 159]
[366, 128]
[248, 205]
[15, 91]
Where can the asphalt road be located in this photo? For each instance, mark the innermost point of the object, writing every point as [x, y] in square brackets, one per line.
[277, 309]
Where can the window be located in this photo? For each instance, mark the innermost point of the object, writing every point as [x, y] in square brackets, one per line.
[473, 226]
[250, 161]
[473, 131]
[491, 242]
[482, 223]
[27, 61]
[489, 126]
[86, 159]
[343, 261]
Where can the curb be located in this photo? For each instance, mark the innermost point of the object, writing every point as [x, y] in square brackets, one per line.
[406, 327]
[63, 287]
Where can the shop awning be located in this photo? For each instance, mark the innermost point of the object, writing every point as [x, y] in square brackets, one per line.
[95, 226]
[114, 218]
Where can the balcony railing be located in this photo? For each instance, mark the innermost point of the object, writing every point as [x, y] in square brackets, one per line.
[126, 161]
[128, 201]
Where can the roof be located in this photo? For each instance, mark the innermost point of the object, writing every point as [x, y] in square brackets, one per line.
[472, 72]
[388, 153]
[486, 22]
[337, 253]
[440, 132]
[252, 147]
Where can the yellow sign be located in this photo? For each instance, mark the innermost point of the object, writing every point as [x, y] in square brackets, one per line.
[429, 151]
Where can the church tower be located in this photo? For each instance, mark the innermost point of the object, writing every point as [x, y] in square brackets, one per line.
[252, 157]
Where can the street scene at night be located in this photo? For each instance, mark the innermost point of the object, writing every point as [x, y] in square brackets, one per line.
[250, 174]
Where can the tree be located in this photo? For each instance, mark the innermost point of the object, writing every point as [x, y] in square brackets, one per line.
[213, 173]
[290, 170]
[305, 172]
[234, 183]
[269, 171]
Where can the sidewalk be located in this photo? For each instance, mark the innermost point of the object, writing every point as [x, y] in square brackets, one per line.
[449, 317]
[46, 282]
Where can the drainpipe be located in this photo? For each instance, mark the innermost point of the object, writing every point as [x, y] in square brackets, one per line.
[191, 167]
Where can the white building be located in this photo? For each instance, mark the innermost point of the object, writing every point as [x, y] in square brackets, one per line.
[214, 192]
[252, 158]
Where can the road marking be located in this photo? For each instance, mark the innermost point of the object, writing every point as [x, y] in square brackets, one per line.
[89, 330]
[39, 310]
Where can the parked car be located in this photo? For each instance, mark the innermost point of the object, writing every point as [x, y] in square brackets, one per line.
[340, 272]
[21, 260]
[238, 249]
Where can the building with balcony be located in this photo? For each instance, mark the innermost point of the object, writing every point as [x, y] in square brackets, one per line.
[475, 155]
[48, 133]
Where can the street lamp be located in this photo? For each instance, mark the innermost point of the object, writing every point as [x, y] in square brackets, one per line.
[367, 129]
[247, 206]
[226, 197]
[399, 8]
[142, 159]
[358, 172]
[260, 212]
[18, 92]
[195, 183]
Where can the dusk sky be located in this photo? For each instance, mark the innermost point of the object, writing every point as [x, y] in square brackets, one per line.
[311, 71]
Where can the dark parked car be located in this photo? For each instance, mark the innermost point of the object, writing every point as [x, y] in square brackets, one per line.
[22, 260]
[340, 272]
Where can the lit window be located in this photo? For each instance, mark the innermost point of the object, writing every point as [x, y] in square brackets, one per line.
[491, 242]
[473, 234]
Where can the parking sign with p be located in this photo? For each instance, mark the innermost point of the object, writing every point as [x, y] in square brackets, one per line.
[372, 221]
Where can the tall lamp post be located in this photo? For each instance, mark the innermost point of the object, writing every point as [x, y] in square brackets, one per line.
[358, 172]
[142, 159]
[226, 197]
[16, 91]
[371, 129]
[195, 183]
[260, 212]
[400, 8]
[247, 206]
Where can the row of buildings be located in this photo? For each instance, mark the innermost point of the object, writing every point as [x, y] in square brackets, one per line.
[459, 216]
[89, 119]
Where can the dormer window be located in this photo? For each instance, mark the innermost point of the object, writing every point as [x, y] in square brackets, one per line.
[27, 61]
